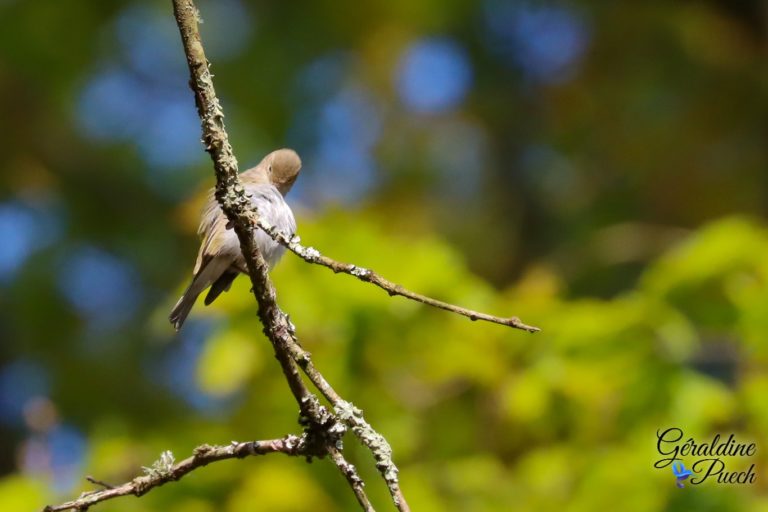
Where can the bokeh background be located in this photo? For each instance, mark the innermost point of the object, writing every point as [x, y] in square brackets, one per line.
[597, 168]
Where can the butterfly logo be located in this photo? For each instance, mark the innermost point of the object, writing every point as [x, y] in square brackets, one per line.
[681, 473]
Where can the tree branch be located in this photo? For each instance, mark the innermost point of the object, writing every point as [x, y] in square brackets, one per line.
[324, 429]
[231, 195]
[164, 470]
[312, 255]
[230, 192]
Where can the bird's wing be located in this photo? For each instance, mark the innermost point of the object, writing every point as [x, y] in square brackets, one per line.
[209, 213]
[213, 220]
[212, 231]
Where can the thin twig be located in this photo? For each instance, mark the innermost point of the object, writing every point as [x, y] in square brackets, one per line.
[312, 255]
[99, 482]
[354, 480]
[164, 470]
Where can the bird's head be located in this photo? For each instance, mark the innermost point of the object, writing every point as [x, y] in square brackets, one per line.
[282, 166]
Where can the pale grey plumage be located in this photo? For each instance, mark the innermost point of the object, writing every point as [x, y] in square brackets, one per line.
[272, 208]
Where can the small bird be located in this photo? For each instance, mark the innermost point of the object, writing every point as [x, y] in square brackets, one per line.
[219, 260]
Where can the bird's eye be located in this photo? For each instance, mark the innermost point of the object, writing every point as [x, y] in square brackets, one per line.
[270, 168]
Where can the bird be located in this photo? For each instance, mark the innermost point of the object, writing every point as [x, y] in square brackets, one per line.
[219, 260]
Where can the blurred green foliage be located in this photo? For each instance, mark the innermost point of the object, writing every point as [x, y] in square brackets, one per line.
[616, 199]
[479, 417]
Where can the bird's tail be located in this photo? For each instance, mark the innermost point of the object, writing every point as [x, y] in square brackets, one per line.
[208, 274]
[182, 308]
